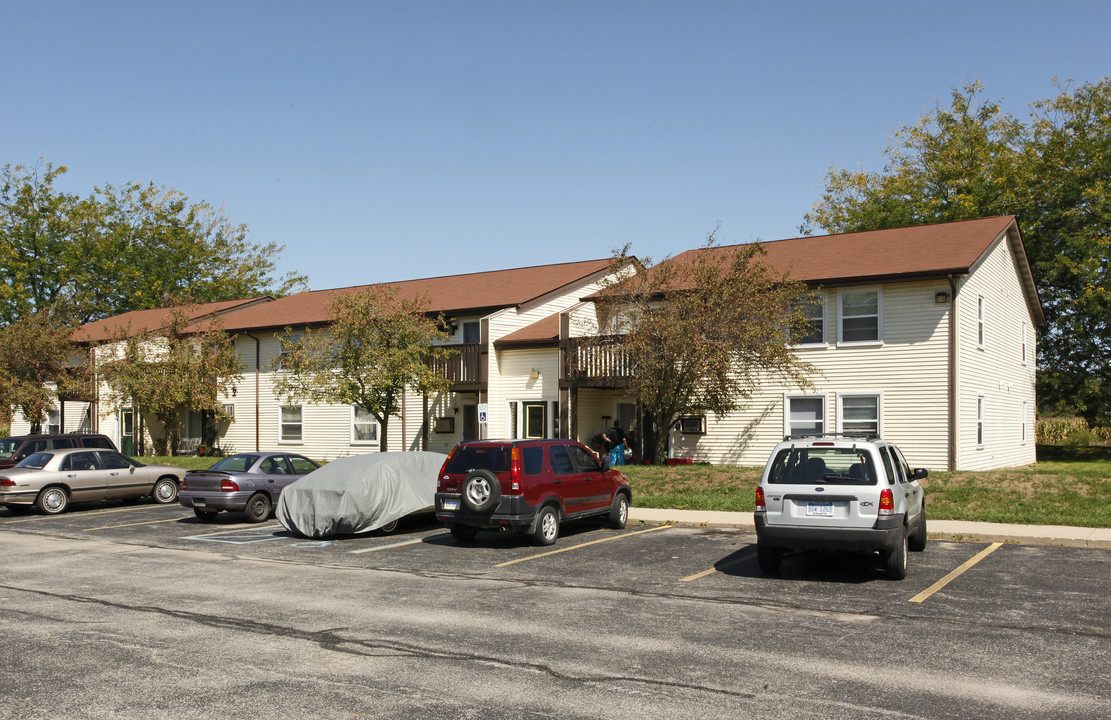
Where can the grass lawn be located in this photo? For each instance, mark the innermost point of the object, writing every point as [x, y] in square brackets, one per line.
[1068, 486]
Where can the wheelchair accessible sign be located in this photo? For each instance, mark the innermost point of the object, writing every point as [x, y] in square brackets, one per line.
[483, 413]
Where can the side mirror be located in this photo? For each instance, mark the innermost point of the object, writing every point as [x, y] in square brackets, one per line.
[921, 473]
[605, 467]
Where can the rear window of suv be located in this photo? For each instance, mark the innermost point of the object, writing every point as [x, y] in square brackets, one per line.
[479, 457]
[811, 465]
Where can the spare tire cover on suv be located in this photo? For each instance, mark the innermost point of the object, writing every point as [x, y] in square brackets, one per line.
[481, 490]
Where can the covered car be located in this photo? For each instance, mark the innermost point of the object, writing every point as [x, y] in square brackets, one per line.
[360, 493]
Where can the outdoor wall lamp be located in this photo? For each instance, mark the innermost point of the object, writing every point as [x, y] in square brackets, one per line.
[941, 298]
[534, 375]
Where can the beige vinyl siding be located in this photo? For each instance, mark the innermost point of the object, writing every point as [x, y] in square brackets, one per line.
[514, 366]
[908, 370]
[996, 371]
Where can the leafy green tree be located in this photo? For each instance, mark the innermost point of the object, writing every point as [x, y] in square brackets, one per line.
[120, 249]
[169, 371]
[970, 160]
[38, 364]
[702, 330]
[376, 346]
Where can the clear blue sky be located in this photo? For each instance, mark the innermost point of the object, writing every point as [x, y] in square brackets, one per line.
[386, 141]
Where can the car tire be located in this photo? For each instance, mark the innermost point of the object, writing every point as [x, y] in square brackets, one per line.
[206, 514]
[619, 513]
[769, 558]
[917, 541]
[547, 526]
[463, 533]
[481, 491]
[257, 508]
[389, 528]
[52, 501]
[896, 564]
[164, 491]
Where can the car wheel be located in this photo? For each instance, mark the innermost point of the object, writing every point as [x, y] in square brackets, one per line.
[463, 533]
[52, 501]
[258, 508]
[165, 491]
[897, 560]
[917, 542]
[389, 528]
[619, 513]
[547, 526]
[769, 558]
[481, 490]
[206, 514]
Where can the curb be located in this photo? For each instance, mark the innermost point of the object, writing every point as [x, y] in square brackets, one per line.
[957, 530]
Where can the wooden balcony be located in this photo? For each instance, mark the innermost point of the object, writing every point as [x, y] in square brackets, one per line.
[463, 366]
[595, 361]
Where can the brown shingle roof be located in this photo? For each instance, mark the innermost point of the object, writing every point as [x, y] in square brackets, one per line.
[452, 295]
[541, 332]
[138, 321]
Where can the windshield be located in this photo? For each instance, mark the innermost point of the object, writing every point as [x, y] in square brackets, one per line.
[818, 465]
[7, 447]
[35, 460]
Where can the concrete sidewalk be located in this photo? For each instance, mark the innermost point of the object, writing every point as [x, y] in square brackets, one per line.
[938, 529]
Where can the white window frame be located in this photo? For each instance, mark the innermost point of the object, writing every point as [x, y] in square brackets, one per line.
[820, 302]
[1025, 344]
[878, 396]
[355, 439]
[282, 439]
[841, 295]
[1025, 426]
[787, 399]
[981, 322]
[981, 424]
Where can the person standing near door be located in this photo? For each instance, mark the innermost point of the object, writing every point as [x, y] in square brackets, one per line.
[614, 439]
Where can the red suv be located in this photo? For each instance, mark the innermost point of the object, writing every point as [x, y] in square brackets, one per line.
[528, 486]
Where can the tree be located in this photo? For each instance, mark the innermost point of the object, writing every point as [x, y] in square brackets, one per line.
[38, 363]
[971, 160]
[171, 370]
[376, 346]
[120, 249]
[704, 329]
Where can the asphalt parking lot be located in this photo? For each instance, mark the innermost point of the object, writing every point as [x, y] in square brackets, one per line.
[1012, 599]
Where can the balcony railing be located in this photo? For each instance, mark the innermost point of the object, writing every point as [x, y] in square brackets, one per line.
[462, 366]
[595, 361]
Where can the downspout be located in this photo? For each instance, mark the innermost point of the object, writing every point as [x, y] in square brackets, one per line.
[953, 394]
[258, 414]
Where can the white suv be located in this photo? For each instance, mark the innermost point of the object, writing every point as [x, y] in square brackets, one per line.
[840, 492]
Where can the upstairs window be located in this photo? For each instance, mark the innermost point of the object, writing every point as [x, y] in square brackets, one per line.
[860, 316]
[981, 321]
[815, 331]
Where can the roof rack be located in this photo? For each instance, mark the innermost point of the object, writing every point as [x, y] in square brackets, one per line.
[853, 435]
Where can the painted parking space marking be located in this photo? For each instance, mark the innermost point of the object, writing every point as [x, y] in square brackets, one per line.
[960, 570]
[745, 555]
[226, 536]
[93, 513]
[399, 544]
[145, 522]
[582, 545]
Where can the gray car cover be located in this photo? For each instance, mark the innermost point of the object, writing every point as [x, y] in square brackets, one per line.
[360, 493]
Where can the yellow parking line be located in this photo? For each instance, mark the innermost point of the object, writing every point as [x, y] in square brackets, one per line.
[148, 522]
[724, 566]
[221, 531]
[90, 514]
[921, 597]
[582, 545]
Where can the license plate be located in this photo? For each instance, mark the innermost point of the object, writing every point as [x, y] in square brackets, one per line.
[819, 509]
[451, 504]
[198, 502]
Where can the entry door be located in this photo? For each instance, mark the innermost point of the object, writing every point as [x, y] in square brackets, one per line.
[470, 422]
[127, 431]
[536, 419]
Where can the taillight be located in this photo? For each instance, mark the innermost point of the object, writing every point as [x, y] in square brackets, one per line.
[228, 486]
[7, 482]
[184, 484]
[515, 469]
[760, 504]
[887, 502]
